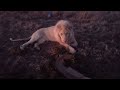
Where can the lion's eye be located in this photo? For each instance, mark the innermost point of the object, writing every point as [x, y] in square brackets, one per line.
[61, 33]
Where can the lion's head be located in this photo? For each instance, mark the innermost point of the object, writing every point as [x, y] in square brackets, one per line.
[65, 32]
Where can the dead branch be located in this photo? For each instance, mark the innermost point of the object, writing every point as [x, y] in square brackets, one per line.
[69, 72]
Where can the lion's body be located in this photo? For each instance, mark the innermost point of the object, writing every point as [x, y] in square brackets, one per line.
[60, 33]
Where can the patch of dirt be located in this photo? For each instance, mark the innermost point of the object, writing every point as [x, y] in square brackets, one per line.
[97, 33]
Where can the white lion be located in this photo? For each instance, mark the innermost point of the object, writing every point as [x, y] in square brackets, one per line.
[62, 33]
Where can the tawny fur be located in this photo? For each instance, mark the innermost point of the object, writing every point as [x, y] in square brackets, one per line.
[62, 33]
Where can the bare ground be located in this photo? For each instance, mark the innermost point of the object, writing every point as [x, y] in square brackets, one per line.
[97, 33]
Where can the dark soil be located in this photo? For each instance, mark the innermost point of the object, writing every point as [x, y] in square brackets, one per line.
[97, 33]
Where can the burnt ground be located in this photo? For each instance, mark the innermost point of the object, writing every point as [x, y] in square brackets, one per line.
[97, 33]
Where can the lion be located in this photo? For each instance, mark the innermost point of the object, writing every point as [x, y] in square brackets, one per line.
[62, 33]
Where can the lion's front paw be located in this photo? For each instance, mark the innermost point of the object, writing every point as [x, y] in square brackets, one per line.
[21, 47]
[72, 50]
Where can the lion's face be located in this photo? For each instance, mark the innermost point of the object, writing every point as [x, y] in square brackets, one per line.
[65, 35]
[65, 32]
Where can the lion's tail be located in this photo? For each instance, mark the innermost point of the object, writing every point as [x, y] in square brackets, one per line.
[20, 39]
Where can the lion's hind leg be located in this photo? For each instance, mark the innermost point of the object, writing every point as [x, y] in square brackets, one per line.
[32, 40]
[36, 45]
[26, 44]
